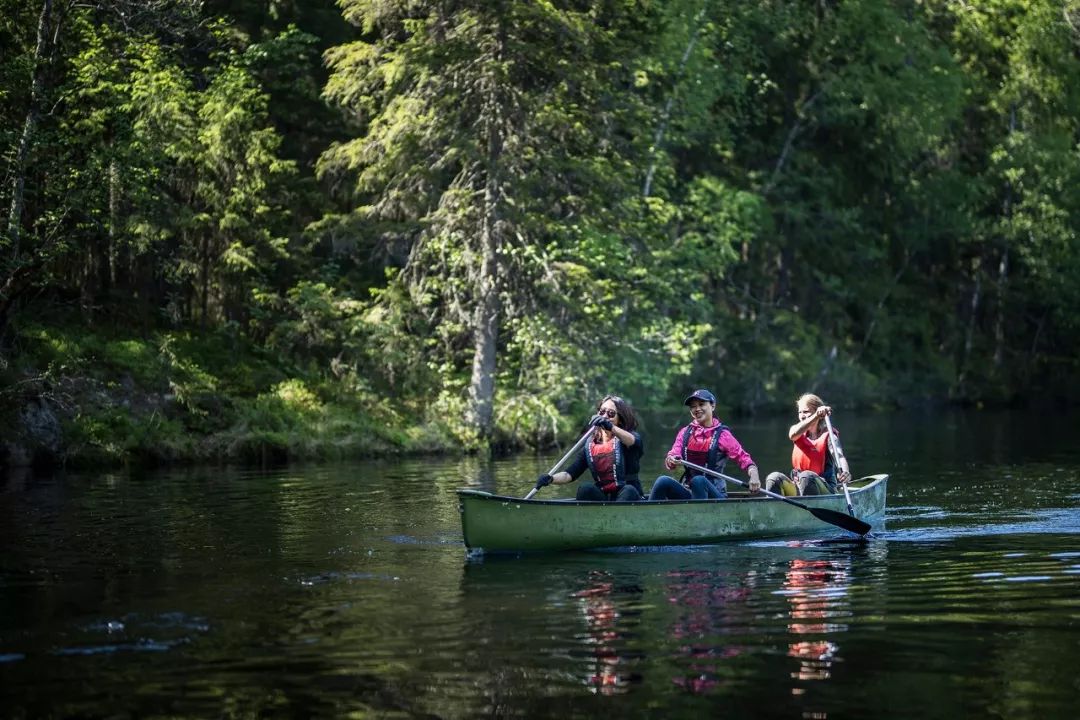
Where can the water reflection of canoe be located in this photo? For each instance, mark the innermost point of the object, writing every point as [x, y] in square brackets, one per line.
[498, 523]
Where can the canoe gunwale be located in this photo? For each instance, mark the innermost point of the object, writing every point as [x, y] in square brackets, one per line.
[870, 481]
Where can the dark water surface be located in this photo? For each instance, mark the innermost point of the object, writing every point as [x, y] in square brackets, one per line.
[345, 591]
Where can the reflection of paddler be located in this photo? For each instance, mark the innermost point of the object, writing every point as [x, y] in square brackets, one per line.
[811, 586]
[815, 659]
[806, 580]
[705, 612]
[601, 616]
[600, 613]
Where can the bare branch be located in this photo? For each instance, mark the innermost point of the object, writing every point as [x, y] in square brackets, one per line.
[665, 116]
[796, 128]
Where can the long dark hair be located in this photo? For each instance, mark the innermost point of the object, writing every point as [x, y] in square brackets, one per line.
[628, 419]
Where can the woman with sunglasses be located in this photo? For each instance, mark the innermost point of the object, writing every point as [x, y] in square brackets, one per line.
[612, 455]
[708, 442]
[814, 469]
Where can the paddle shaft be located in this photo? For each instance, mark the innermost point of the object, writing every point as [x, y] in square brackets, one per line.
[771, 494]
[838, 452]
[832, 517]
[555, 468]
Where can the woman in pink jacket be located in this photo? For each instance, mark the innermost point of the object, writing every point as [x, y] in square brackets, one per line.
[706, 442]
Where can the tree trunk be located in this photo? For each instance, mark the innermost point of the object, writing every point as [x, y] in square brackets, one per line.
[204, 281]
[976, 296]
[22, 152]
[112, 255]
[999, 319]
[98, 261]
[1003, 265]
[486, 316]
[485, 330]
[485, 322]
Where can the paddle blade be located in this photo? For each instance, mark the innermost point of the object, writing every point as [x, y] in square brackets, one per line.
[839, 519]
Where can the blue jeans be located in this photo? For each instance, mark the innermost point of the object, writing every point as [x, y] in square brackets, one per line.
[701, 488]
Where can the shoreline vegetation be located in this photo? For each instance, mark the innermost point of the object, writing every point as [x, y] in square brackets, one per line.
[336, 228]
[82, 399]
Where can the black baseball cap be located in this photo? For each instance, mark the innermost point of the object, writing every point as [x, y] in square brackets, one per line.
[700, 395]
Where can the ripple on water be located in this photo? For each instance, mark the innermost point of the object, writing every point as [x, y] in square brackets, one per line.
[928, 512]
[136, 633]
[975, 580]
[1048, 521]
[333, 577]
[437, 540]
[145, 645]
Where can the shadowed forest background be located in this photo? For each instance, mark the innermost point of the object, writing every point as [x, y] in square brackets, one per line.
[275, 228]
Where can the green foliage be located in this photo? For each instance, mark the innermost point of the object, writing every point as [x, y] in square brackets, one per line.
[112, 436]
[188, 396]
[312, 320]
[873, 200]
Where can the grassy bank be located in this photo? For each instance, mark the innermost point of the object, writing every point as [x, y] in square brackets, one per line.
[80, 397]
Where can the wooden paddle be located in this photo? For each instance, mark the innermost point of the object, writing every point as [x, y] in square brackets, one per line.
[838, 453]
[564, 458]
[832, 517]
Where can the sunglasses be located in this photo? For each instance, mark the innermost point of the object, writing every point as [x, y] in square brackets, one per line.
[609, 413]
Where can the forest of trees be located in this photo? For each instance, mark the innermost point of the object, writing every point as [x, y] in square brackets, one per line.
[470, 218]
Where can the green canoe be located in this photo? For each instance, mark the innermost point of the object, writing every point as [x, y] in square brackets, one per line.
[498, 523]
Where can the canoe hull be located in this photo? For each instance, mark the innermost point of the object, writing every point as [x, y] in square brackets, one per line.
[498, 523]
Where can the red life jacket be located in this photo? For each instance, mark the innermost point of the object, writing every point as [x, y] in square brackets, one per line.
[605, 461]
[819, 459]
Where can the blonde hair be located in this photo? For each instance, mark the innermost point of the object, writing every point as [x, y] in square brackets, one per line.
[810, 399]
